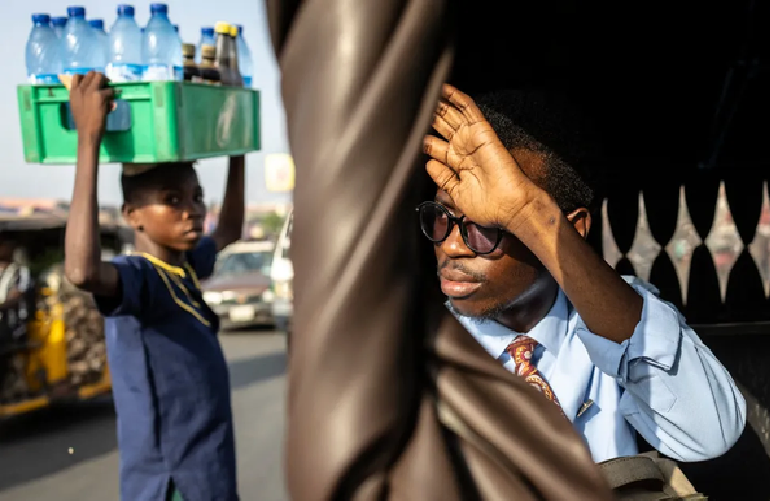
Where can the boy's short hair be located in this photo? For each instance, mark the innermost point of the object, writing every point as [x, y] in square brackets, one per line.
[136, 178]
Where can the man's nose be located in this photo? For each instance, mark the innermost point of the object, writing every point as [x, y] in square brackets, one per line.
[454, 245]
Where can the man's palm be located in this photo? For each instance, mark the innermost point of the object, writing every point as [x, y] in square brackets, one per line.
[472, 165]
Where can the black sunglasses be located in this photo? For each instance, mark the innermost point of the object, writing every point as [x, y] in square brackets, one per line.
[437, 224]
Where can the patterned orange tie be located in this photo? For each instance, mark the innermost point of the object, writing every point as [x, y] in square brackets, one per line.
[521, 351]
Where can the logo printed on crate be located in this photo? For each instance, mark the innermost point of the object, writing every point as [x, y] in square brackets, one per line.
[225, 122]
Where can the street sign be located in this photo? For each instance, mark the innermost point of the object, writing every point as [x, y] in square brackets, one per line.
[279, 172]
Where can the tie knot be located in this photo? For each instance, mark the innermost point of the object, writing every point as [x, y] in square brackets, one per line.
[525, 342]
[522, 349]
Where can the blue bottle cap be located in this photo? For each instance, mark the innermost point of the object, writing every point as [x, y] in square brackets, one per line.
[207, 31]
[176, 28]
[239, 27]
[126, 10]
[41, 19]
[59, 21]
[76, 11]
[158, 8]
[96, 23]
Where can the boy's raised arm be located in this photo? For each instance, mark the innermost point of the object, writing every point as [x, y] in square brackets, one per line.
[90, 102]
[230, 224]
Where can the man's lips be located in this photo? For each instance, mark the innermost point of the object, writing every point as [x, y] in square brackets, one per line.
[458, 285]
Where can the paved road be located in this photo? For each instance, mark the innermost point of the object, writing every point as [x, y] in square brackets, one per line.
[35, 463]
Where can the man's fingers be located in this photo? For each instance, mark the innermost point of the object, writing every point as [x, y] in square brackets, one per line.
[450, 115]
[436, 148]
[462, 102]
[109, 95]
[75, 81]
[88, 80]
[104, 82]
[443, 128]
[444, 177]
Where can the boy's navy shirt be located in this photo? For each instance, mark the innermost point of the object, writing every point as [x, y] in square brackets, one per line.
[171, 384]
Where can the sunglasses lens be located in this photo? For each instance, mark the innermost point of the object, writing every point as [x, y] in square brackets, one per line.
[434, 222]
[480, 238]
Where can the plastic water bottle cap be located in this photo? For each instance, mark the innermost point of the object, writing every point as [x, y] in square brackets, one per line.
[96, 23]
[76, 12]
[207, 31]
[41, 19]
[59, 22]
[240, 29]
[158, 8]
[222, 28]
[126, 10]
[176, 28]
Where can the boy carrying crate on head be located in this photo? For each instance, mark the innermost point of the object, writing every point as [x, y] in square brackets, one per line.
[170, 378]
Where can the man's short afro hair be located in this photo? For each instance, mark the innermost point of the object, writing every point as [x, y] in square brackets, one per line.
[551, 123]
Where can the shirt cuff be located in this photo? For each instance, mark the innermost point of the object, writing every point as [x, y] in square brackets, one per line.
[655, 340]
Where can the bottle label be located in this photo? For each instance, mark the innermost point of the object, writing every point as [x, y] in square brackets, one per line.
[79, 71]
[163, 72]
[247, 82]
[122, 72]
[43, 79]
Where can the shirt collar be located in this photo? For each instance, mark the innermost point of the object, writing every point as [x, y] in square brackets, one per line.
[549, 332]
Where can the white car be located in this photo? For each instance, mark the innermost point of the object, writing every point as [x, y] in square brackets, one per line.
[282, 274]
[240, 290]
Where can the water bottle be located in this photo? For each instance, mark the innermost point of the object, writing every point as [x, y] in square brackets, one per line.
[125, 45]
[224, 63]
[82, 51]
[101, 36]
[159, 46]
[59, 25]
[245, 62]
[43, 55]
[207, 38]
[178, 55]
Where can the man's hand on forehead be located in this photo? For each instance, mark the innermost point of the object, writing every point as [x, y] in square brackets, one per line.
[471, 165]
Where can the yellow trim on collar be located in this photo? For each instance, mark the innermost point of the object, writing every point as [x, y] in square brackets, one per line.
[176, 270]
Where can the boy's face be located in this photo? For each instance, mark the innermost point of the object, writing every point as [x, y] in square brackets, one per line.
[171, 212]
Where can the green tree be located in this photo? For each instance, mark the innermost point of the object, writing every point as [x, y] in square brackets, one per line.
[272, 223]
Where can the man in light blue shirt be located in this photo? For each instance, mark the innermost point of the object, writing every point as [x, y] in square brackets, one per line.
[508, 224]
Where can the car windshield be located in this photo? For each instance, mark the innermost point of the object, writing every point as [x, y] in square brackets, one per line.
[245, 262]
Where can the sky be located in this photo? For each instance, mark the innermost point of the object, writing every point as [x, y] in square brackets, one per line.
[19, 179]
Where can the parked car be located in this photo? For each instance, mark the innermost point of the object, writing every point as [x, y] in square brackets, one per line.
[240, 290]
[283, 275]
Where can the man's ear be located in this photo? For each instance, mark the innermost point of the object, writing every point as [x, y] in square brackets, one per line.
[581, 220]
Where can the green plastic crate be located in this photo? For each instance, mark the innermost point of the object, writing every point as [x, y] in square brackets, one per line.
[153, 122]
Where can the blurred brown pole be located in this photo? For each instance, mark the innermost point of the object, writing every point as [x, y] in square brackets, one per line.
[389, 397]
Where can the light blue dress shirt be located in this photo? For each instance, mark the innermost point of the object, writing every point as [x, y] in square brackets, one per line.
[663, 381]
